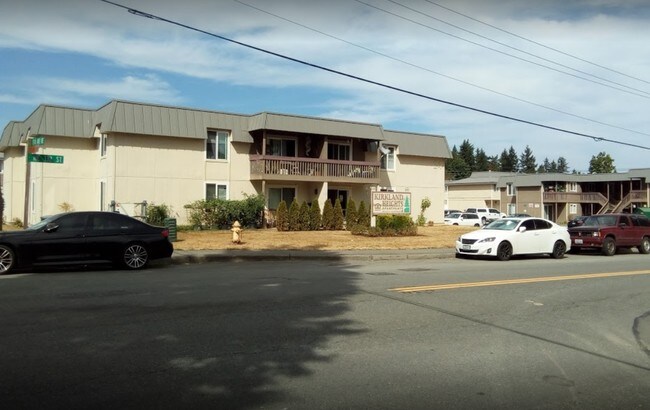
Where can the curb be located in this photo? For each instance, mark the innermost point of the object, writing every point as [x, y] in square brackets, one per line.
[187, 257]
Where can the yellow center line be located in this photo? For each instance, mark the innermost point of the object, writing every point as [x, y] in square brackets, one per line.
[425, 288]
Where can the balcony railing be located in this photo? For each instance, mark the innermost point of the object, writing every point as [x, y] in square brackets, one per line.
[575, 197]
[271, 167]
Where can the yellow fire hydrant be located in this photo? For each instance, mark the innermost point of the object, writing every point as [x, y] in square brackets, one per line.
[236, 232]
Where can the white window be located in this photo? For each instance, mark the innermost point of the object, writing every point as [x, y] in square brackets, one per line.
[281, 147]
[572, 187]
[102, 145]
[216, 191]
[102, 195]
[216, 146]
[388, 158]
[281, 194]
[338, 151]
[511, 190]
[573, 209]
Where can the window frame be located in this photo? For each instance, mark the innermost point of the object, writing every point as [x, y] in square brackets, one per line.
[511, 189]
[282, 140]
[392, 154]
[281, 188]
[103, 143]
[218, 136]
[216, 184]
[340, 145]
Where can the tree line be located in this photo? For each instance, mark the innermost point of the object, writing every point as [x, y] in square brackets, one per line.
[467, 159]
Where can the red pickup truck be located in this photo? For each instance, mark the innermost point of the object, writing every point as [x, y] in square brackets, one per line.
[612, 231]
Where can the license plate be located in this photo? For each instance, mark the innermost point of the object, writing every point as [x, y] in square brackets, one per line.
[578, 241]
[467, 247]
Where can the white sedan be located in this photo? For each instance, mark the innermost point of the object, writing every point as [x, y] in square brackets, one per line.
[463, 219]
[506, 237]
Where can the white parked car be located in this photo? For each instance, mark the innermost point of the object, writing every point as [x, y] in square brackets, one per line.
[486, 214]
[463, 219]
[506, 237]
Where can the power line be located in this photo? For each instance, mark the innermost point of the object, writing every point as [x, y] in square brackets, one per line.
[355, 77]
[437, 73]
[503, 52]
[537, 43]
[515, 48]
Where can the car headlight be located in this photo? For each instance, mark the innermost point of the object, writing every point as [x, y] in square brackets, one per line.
[490, 239]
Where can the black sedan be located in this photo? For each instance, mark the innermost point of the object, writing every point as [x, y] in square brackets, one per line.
[86, 238]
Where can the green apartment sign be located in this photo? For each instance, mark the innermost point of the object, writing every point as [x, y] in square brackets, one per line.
[391, 203]
[53, 159]
[38, 140]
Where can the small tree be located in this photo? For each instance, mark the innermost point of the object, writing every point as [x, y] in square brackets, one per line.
[426, 202]
[282, 217]
[315, 219]
[303, 218]
[328, 215]
[294, 215]
[337, 221]
[351, 217]
[363, 215]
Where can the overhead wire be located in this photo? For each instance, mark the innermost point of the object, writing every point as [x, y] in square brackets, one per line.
[438, 73]
[514, 48]
[537, 43]
[638, 94]
[140, 13]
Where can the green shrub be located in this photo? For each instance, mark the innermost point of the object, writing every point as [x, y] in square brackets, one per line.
[282, 217]
[294, 215]
[426, 202]
[363, 215]
[351, 218]
[156, 214]
[17, 222]
[389, 225]
[221, 214]
[328, 215]
[303, 216]
[315, 218]
[337, 220]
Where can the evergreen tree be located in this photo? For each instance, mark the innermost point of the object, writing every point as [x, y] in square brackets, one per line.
[364, 215]
[294, 215]
[481, 161]
[527, 163]
[314, 216]
[282, 217]
[328, 215]
[509, 160]
[337, 220]
[304, 216]
[493, 163]
[601, 164]
[457, 169]
[562, 165]
[466, 152]
[351, 217]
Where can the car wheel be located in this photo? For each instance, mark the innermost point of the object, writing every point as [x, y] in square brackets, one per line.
[483, 220]
[559, 249]
[477, 226]
[455, 224]
[609, 247]
[504, 251]
[644, 248]
[7, 259]
[135, 256]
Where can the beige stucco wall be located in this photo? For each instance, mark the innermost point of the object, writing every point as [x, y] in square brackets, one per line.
[13, 189]
[529, 201]
[423, 177]
[462, 197]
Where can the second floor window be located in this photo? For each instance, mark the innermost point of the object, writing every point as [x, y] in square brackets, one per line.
[216, 146]
[572, 186]
[510, 189]
[388, 158]
[338, 151]
[281, 147]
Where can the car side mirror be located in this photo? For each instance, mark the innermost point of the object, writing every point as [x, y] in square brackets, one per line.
[522, 229]
[622, 224]
[51, 227]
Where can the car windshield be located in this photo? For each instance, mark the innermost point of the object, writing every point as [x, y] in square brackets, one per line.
[600, 220]
[41, 224]
[503, 224]
[453, 216]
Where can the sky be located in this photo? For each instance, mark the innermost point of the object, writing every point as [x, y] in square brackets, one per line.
[440, 67]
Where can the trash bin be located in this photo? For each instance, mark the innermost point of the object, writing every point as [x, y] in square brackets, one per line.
[170, 223]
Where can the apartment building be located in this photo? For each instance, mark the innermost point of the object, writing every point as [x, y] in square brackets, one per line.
[124, 155]
[558, 197]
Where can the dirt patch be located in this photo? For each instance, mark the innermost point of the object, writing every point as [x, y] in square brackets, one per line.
[431, 237]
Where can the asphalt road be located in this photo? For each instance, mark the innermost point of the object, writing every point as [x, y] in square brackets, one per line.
[330, 334]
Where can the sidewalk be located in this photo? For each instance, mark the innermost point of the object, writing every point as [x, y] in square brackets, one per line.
[185, 257]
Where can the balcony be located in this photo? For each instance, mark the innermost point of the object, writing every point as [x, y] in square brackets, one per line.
[274, 168]
[575, 197]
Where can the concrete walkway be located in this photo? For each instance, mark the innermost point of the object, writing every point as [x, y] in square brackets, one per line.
[184, 257]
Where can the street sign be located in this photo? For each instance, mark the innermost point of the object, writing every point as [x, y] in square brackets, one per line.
[54, 159]
[37, 141]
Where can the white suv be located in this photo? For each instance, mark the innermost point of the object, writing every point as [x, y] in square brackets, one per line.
[486, 214]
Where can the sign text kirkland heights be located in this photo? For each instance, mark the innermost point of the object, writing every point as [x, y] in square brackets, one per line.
[391, 203]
